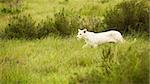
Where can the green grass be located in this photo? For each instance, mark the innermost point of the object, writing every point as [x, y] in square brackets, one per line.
[61, 61]
[56, 60]
[40, 9]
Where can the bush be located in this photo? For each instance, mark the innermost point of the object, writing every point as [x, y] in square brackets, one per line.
[23, 26]
[45, 27]
[128, 16]
[66, 25]
[92, 23]
[75, 24]
[11, 10]
[12, 6]
[20, 26]
[62, 23]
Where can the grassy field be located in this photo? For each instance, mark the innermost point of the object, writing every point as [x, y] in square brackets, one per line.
[40, 9]
[57, 60]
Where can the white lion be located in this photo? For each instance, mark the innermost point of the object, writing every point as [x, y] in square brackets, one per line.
[95, 39]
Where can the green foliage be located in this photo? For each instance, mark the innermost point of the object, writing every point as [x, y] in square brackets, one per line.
[128, 16]
[92, 23]
[20, 26]
[64, 24]
[23, 26]
[68, 25]
[75, 24]
[11, 10]
[46, 27]
[11, 7]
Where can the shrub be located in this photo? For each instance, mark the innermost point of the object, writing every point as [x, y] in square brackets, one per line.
[20, 26]
[62, 23]
[11, 10]
[45, 27]
[128, 16]
[12, 6]
[66, 25]
[75, 22]
[23, 26]
[92, 23]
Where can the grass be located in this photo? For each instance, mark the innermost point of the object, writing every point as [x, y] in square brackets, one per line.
[61, 61]
[40, 9]
[56, 60]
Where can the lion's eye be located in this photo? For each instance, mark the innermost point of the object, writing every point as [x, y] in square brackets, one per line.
[80, 34]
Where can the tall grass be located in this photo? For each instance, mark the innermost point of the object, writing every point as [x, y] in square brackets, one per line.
[57, 60]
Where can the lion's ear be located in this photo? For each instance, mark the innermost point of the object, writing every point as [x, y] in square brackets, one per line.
[78, 29]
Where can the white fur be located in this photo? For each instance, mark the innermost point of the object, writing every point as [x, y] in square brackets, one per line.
[95, 39]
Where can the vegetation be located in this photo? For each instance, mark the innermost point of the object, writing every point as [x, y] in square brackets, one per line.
[11, 6]
[58, 60]
[20, 27]
[38, 44]
[129, 16]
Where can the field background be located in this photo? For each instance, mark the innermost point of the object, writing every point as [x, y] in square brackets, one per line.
[58, 60]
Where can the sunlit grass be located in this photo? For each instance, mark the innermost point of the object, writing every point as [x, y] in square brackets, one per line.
[55, 60]
[40, 9]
